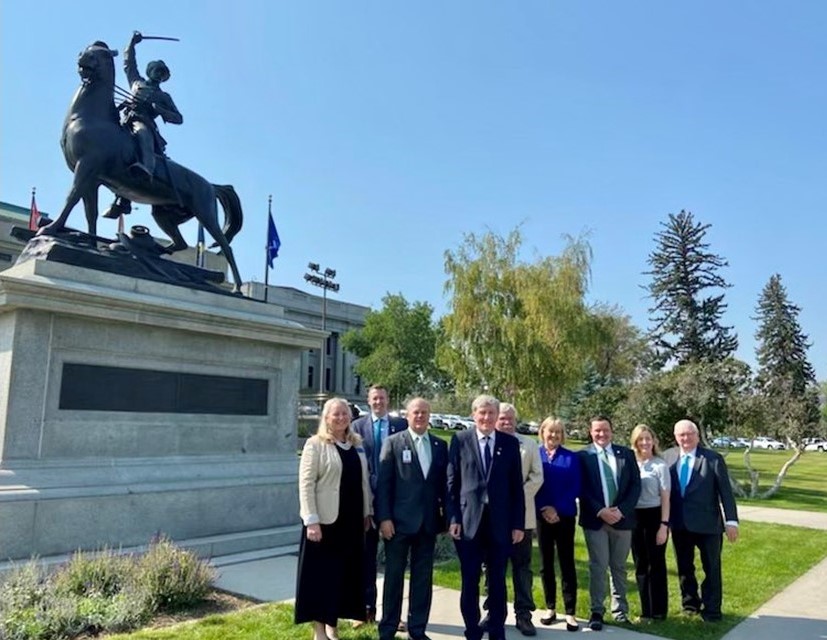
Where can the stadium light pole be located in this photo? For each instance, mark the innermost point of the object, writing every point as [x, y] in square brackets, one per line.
[323, 279]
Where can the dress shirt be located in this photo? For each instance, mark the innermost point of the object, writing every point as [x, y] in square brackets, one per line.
[612, 461]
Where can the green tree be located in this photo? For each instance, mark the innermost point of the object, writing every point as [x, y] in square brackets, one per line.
[520, 330]
[785, 376]
[687, 321]
[396, 347]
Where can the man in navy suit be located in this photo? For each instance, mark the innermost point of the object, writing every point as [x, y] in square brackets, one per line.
[374, 429]
[609, 492]
[410, 510]
[486, 512]
[700, 488]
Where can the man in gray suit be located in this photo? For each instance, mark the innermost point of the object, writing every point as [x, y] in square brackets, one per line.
[609, 492]
[374, 428]
[700, 488]
[410, 510]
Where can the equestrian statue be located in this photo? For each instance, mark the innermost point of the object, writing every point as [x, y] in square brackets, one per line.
[127, 155]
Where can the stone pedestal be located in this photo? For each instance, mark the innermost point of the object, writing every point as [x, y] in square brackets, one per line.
[130, 407]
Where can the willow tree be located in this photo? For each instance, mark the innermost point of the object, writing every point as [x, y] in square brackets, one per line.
[520, 330]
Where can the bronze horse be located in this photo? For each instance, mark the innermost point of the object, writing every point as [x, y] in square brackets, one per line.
[99, 151]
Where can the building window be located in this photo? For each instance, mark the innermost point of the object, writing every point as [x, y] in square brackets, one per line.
[358, 388]
[328, 343]
[5, 257]
[310, 377]
[327, 379]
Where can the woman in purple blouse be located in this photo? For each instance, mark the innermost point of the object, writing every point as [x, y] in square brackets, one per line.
[556, 517]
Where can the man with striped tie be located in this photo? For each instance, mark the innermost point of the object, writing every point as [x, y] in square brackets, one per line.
[609, 492]
[700, 489]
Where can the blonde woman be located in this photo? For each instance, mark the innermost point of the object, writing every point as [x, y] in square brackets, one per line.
[556, 503]
[652, 525]
[335, 506]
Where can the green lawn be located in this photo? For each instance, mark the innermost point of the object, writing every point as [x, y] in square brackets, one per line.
[804, 487]
[766, 559]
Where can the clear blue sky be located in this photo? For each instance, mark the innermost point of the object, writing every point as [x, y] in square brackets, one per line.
[387, 130]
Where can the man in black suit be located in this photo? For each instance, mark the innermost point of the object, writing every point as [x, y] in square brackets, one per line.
[486, 512]
[609, 492]
[374, 429]
[410, 510]
[700, 488]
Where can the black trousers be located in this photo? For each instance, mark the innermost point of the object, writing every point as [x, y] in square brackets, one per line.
[522, 578]
[709, 547]
[559, 535]
[369, 569]
[650, 564]
[419, 548]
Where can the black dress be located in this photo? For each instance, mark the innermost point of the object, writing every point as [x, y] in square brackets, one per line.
[329, 580]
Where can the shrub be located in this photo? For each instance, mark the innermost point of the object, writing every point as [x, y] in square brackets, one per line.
[101, 573]
[173, 578]
[100, 592]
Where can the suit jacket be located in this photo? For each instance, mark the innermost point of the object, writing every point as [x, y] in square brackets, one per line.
[364, 427]
[413, 502]
[591, 488]
[468, 486]
[709, 489]
[320, 472]
[532, 470]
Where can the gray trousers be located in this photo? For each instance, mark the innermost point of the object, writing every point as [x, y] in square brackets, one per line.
[608, 550]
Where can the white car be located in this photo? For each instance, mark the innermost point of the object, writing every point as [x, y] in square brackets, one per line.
[762, 442]
[815, 444]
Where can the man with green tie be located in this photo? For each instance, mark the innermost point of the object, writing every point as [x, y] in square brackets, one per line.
[609, 492]
[374, 429]
[410, 509]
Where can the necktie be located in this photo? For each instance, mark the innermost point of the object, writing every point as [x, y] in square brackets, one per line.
[486, 458]
[684, 477]
[377, 441]
[424, 455]
[611, 484]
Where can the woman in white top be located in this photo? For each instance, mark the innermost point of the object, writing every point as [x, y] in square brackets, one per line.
[334, 503]
[652, 528]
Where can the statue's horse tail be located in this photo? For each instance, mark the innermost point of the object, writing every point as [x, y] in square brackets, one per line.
[233, 216]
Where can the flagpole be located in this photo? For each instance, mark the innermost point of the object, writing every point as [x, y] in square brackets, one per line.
[267, 249]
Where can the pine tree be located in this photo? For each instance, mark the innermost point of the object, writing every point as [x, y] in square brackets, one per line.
[783, 367]
[687, 325]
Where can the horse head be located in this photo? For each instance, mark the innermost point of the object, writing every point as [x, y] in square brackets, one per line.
[95, 63]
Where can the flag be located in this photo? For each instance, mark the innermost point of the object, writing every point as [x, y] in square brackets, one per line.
[34, 216]
[120, 224]
[273, 240]
[200, 248]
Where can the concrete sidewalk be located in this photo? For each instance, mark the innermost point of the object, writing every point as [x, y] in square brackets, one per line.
[798, 612]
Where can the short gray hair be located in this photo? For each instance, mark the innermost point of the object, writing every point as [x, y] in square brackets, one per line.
[686, 423]
[485, 400]
[507, 407]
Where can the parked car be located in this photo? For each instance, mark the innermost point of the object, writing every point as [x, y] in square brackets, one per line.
[815, 444]
[762, 442]
[722, 442]
[740, 443]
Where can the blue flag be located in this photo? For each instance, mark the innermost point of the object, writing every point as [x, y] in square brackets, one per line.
[273, 241]
[200, 248]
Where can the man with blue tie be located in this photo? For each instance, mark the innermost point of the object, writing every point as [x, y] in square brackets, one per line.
[609, 492]
[486, 512]
[410, 510]
[374, 429]
[700, 489]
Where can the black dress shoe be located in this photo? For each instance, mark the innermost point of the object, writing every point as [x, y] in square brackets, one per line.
[484, 624]
[596, 621]
[525, 626]
[549, 620]
[572, 626]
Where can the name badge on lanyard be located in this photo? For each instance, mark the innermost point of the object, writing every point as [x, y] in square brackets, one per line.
[407, 458]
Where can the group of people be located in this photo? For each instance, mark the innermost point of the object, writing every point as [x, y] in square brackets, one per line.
[491, 490]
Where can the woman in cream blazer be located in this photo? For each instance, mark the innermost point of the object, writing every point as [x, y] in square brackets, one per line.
[335, 505]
